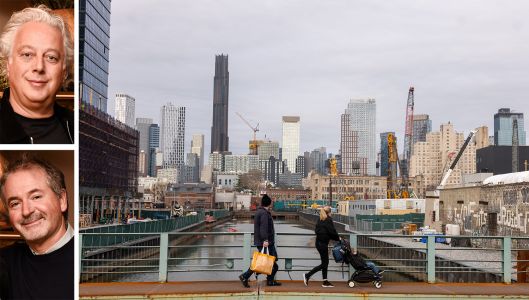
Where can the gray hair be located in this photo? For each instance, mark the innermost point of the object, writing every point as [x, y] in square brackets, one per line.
[41, 14]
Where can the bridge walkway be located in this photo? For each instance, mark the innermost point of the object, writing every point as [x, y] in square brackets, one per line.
[295, 289]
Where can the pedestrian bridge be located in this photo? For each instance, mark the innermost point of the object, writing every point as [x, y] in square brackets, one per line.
[295, 289]
[155, 266]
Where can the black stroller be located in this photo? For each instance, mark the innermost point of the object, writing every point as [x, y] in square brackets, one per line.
[364, 271]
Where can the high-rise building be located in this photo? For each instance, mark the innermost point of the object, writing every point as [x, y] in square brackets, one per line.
[94, 41]
[173, 135]
[143, 125]
[241, 164]
[503, 120]
[317, 160]
[108, 157]
[384, 153]
[197, 147]
[300, 166]
[432, 158]
[267, 149]
[421, 126]
[348, 147]
[221, 84]
[154, 146]
[271, 168]
[363, 121]
[125, 109]
[290, 141]
[308, 162]
[216, 161]
[191, 169]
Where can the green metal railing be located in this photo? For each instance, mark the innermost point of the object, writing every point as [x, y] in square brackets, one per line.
[106, 256]
[155, 226]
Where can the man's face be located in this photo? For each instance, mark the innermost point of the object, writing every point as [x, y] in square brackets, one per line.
[36, 65]
[34, 209]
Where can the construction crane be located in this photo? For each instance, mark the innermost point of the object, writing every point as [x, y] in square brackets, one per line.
[331, 163]
[393, 157]
[408, 136]
[393, 190]
[333, 172]
[253, 144]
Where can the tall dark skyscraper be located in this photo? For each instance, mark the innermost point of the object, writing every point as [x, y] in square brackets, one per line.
[94, 40]
[221, 85]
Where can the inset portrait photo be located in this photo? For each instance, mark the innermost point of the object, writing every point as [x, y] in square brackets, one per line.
[36, 225]
[36, 72]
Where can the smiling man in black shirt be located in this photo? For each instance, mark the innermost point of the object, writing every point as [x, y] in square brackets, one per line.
[35, 53]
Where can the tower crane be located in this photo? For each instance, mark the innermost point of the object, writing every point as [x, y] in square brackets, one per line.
[253, 144]
[408, 135]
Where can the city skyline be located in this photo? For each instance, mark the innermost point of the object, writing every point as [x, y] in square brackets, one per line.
[465, 63]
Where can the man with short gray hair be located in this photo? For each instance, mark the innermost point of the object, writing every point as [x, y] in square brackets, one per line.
[34, 193]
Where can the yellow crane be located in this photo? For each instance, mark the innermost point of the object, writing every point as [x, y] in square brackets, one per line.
[253, 144]
[393, 191]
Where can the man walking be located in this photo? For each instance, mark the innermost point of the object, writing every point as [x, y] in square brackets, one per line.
[263, 237]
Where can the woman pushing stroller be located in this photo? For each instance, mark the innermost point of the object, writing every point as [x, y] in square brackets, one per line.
[325, 232]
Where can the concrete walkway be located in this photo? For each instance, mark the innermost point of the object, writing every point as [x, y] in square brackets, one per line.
[296, 289]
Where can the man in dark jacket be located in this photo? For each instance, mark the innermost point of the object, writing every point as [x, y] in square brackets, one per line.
[4, 280]
[13, 129]
[263, 237]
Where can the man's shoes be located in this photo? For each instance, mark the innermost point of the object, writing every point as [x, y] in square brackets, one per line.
[273, 283]
[244, 281]
[305, 279]
[327, 284]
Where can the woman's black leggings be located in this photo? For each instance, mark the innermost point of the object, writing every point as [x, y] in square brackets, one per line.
[323, 249]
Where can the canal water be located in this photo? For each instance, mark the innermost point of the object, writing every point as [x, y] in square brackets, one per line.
[208, 257]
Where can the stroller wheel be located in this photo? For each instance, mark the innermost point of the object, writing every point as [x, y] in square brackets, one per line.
[351, 283]
[378, 284]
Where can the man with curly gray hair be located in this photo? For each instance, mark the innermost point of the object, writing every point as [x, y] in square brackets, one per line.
[34, 193]
[36, 53]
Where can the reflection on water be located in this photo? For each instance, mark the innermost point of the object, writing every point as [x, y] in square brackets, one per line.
[212, 253]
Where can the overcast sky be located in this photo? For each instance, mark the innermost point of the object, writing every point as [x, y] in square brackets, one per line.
[465, 59]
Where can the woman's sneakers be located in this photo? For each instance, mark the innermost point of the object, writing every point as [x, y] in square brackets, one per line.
[326, 283]
[305, 279]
